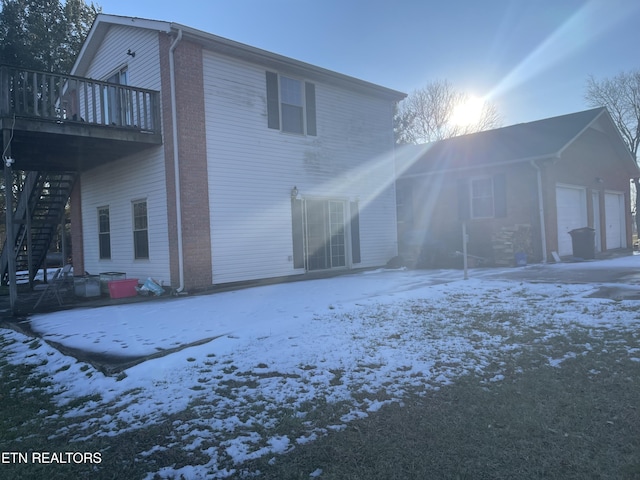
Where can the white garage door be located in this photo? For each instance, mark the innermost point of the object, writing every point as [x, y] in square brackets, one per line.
[615, 220]
[571, 204]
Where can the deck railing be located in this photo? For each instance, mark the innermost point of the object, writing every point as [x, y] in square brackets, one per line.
[66, 98]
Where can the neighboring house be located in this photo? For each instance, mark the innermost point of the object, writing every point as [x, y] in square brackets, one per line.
[269, 166]
[521, 188]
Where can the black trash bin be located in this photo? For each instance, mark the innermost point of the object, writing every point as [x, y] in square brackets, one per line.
[584, 242]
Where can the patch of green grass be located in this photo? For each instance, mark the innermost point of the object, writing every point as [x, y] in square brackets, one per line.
[519, 418]
[554, 423]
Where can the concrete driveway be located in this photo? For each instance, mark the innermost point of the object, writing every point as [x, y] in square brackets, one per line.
[598, 271]
[617, 275]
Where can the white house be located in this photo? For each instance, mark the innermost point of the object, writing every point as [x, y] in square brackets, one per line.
[269, 167]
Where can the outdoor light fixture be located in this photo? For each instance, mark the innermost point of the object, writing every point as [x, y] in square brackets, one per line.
[130, 53]
[294, 193]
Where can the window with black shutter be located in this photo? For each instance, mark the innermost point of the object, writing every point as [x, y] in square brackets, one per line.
[482, 197]
[291, 104]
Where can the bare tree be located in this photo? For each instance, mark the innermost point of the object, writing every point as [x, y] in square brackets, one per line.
[621, 96]
[428, 114]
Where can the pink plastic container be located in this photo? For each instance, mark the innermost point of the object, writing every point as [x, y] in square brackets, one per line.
[123, 288]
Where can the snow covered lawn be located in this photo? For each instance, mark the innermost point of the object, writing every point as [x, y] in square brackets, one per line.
[281, 352]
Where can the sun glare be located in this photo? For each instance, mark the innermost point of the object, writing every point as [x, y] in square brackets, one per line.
[468, 112]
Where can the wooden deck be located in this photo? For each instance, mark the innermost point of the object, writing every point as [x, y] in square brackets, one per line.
[55, 122]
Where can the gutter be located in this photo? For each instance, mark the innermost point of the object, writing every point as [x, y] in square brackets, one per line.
[176, 162]
[543, 233]
[476, 167]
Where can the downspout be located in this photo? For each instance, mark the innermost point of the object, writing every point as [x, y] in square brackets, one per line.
[176, 163]
[543, 233]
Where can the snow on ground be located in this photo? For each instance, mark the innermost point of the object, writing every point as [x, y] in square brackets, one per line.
[357, 340]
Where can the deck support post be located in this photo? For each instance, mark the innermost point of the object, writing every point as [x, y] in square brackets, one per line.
[10, 242]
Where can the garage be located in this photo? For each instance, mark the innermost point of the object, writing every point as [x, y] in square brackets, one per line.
[615, 235]
[571, 205]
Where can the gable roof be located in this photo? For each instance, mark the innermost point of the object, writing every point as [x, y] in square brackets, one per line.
[228, 47]
[524, 142]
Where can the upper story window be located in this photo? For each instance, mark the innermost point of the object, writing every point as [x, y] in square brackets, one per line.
[291, 107]
[291, 104]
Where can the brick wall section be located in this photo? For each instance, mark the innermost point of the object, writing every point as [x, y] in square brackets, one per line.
[167, 139]
[196, 234]
[590, 158]
[77, 241]
[593, 157]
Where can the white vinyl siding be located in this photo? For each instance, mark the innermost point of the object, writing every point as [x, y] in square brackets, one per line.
[252, 170]
[120, 184]
[143, 70]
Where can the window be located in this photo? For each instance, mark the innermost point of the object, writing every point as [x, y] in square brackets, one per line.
[291, 105]
[140, 230]
[482, 198]
[104, 233]
[404, 204]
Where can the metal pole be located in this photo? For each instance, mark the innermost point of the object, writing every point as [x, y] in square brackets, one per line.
[464, 248]
[29, 240]
[63, 243]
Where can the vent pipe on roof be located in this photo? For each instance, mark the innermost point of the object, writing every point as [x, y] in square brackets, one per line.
[543, 233]
[176, 163]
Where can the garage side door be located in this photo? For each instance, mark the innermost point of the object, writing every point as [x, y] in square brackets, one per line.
[615, 220]
[571, 205]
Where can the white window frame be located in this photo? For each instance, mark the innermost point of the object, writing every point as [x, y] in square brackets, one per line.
[473, 198]
[282, 103]
[105, 233]
[136, 230]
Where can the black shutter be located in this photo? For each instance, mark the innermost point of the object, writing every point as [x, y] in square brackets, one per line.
[297, 227]
[500, 195]
[355, 233]
[273, 103]
[310, 100]
[464, 207]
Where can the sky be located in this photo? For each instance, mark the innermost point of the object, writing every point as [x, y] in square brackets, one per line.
[289, 346]
[531, 58]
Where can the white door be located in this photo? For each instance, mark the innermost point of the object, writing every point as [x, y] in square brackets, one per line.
[615, 220]
[595, 197]
[571, 206]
